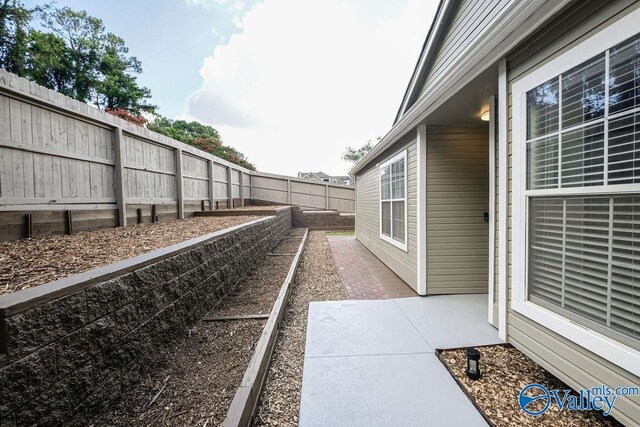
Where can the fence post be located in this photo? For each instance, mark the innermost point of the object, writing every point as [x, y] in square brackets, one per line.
[288, 191]
[326, 196]
[241, 188]
[250, 175]
[179, 183]
[118, 170]
[229, 188]
[212, 196]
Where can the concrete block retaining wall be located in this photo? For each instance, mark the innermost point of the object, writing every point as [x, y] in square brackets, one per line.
[323, 220]
[70, 347]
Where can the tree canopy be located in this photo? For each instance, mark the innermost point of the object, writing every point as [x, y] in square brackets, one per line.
[354, 154]
[73, 53]
[200, 136]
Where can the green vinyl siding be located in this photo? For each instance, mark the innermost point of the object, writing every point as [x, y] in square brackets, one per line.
[457, 197]
[403, 263]
[576, 366]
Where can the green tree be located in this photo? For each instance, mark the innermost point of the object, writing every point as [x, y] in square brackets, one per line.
[353, 154]
[48, 62]
[118, 87]
[83, 36]
[15, 21]
[203, 137]
[76, 56]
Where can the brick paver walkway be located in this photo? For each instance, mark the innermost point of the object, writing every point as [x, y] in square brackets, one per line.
[363, 275]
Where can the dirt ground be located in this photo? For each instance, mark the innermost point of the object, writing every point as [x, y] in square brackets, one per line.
[506, 371]
[197, 382]
[317, 280]
[32, 262]
[196, 387]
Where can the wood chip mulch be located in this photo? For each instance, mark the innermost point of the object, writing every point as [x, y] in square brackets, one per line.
[32, 262]
[259, 290]
[196, 383]
[317, 280]
[257, 207]
[506, 371]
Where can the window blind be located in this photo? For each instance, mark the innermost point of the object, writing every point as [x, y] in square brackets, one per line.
[583, 134]
[393, 199]
[584, 257]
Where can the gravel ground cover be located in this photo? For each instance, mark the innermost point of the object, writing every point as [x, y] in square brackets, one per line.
[317, 280]
[198, 380]
[32, 262]
[506, 371]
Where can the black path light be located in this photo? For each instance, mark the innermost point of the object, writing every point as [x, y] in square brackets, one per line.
[473, 363]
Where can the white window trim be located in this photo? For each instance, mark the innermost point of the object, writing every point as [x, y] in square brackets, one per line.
[616, 352]
[401, 155]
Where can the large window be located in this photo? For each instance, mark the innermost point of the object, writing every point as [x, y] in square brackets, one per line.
[581, 193]
[393, 201]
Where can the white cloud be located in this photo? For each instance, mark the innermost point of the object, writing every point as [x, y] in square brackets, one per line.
[305, 79]
[235, 8]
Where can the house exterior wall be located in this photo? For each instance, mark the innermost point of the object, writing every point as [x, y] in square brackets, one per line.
[457, 236]
[469, 21]
[403, 263]
[573, 364]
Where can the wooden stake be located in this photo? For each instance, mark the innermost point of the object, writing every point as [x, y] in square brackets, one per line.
[237, 317]
[69, 216]
[28, 225]
[139, 212]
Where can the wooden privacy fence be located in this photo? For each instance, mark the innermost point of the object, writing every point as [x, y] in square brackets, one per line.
[67, 166]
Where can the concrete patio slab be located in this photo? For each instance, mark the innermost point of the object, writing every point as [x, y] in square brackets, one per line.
[388, 390]
[353, 328]
[372, 363]
[451, 321]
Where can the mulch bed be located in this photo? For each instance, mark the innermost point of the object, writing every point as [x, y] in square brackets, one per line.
[288, 246]
[317, 280]
[32, 262]
[506, 371]
[251, 208]
[259, 290]
[197, 382]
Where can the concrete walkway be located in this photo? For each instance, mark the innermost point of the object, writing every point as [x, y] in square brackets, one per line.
[372, 363]
[363, 275]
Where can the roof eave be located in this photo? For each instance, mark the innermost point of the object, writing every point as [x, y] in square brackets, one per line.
[443, 12]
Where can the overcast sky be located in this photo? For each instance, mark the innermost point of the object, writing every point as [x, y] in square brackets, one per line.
[290, 83]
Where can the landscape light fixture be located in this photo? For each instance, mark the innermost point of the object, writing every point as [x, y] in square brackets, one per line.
[473, 363]
[485, 116]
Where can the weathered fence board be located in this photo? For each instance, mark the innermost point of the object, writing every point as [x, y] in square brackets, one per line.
[58, 154]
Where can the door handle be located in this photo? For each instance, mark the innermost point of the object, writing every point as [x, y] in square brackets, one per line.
[485, 216]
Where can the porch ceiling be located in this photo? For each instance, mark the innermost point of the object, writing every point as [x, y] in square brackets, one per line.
[468, 103]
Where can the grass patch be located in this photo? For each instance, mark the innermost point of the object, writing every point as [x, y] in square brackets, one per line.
[341, 233]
